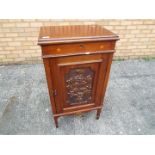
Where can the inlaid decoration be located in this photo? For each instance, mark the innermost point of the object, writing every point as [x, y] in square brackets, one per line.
[79, 83]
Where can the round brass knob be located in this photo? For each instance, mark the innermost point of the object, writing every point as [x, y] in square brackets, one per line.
[58, 49]
[102, 46]
[82, 46]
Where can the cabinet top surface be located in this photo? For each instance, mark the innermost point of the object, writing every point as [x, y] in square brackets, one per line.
[74, 33]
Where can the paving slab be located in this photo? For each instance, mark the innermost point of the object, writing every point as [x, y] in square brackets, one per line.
[129, 106]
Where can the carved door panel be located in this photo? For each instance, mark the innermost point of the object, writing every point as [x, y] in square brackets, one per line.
[78, 80]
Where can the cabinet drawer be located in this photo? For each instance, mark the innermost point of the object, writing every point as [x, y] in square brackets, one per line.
[78, 48]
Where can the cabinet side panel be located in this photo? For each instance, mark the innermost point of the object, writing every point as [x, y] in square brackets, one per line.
[109, 62]
[49, 83]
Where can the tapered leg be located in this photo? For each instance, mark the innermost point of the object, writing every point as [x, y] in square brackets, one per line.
[56, 121]
[98, 113]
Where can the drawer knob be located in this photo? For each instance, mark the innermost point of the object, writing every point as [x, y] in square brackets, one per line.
[58, 49]
[102, 46]
[82, 46]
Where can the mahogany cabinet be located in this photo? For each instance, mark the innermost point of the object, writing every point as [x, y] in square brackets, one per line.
[77, 62]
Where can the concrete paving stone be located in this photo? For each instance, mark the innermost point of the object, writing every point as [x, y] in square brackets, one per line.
[129, 105]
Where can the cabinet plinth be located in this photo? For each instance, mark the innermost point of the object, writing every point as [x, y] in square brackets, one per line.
[77, 61]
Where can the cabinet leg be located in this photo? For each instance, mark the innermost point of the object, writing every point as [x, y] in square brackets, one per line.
[56, 121]
[98, 113]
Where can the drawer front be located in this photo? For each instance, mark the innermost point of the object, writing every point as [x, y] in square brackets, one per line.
[79, 48]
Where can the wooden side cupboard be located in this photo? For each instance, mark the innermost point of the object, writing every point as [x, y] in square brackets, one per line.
[77, 62]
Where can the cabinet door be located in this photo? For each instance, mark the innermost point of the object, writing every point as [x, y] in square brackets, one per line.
[78, 81]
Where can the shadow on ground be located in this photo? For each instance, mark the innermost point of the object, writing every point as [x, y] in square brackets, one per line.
[129, 106]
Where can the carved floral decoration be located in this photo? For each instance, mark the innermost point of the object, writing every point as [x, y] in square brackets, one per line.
[79, 84]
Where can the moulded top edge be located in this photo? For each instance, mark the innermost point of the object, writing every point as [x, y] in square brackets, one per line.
[74, 33]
